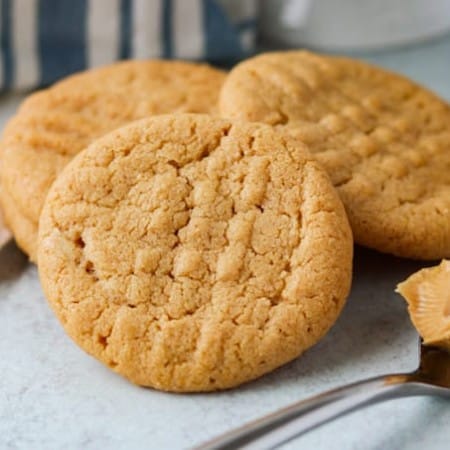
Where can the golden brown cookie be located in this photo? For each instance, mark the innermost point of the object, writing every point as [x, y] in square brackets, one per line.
[53, 125]
[428, 295]
[383, 140]
[191, 253]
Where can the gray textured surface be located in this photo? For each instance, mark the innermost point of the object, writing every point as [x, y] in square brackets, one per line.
[54, 396]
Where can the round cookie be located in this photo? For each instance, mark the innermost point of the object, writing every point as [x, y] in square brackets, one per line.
[53, 125]
[383, 140]
[191, 253]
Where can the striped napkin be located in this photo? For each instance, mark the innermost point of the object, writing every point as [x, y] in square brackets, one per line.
[44, 40]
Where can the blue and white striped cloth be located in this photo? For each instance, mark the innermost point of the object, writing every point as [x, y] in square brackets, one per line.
[44, 40]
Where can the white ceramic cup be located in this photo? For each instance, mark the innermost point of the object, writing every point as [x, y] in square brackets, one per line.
[352, 24]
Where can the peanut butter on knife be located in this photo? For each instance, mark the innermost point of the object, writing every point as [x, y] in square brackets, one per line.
[427, 293]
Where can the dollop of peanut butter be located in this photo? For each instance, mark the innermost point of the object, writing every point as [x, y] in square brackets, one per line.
[427, 293]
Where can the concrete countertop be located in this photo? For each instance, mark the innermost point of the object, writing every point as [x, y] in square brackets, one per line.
[53, 396]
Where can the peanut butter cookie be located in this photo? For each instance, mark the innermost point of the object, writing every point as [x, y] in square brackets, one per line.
[383, 140]
[191, 253]
[53, 125]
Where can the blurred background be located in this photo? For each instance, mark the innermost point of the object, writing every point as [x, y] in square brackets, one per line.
[44, 40]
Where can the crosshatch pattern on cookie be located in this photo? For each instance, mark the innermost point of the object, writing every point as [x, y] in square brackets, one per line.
[190, 253]
[382, 139]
